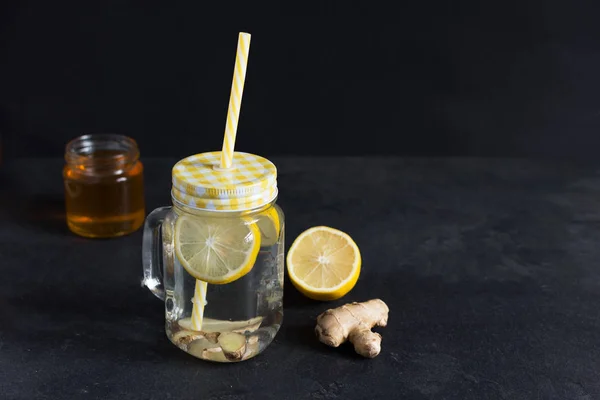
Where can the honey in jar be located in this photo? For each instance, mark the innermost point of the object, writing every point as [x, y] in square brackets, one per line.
[104, 188]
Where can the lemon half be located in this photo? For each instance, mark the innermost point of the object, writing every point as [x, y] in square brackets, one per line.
[216, 251]
[324, 263]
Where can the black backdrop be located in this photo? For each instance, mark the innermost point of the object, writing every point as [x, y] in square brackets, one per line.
[435, 77]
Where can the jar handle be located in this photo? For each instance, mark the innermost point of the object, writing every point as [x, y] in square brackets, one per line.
[151, 246]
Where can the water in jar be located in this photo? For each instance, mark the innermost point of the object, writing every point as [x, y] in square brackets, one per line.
[251, 306]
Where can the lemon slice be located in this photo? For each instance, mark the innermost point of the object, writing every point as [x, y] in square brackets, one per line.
[323, 263]
[216, 251]
[269, 225]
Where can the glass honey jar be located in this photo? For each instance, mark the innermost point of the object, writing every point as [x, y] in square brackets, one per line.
[104, 188]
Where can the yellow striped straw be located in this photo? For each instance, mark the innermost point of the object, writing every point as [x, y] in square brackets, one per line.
[235, 99]
[233, 114]
[199, 301]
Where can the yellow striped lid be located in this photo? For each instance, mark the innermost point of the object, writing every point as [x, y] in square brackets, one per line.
[199, 182]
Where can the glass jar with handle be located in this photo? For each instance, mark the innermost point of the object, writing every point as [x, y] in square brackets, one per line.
[216, 257]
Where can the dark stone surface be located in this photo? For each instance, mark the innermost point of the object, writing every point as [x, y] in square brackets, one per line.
[490, 269]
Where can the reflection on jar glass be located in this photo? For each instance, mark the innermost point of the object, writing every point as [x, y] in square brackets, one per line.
[104, 190]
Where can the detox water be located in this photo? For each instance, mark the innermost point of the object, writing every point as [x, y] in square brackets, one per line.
[251, 306]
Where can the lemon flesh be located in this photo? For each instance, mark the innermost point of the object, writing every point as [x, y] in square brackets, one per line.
[324, 263]
[216, 251]
[269, 226]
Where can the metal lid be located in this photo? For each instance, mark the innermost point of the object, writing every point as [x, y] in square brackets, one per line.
[199, 182]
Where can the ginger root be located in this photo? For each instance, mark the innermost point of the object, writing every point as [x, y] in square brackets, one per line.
[353, 322]
[215, 325]
[214, 354]
[233, 345]
[198, 346]
[252, 348]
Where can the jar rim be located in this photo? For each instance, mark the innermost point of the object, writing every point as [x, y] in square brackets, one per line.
[81, 149]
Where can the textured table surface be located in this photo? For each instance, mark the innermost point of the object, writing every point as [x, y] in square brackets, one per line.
[490, 268]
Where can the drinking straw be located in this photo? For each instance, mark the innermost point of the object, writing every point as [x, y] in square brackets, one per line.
[198, 303]
[233, 114]
[235, 99]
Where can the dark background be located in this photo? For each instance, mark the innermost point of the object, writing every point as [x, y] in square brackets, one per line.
[475, 78]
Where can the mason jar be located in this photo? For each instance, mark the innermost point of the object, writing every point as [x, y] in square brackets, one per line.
[216, 257]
